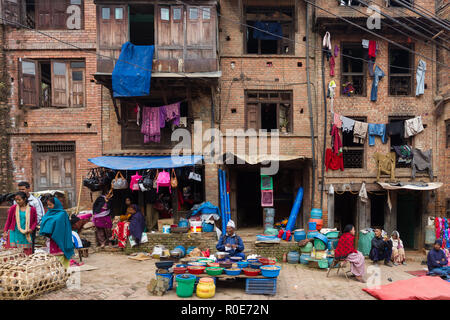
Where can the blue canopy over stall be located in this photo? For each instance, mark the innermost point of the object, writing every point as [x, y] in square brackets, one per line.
[144, 162]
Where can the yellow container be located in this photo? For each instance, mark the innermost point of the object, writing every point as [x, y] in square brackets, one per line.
[206, 288]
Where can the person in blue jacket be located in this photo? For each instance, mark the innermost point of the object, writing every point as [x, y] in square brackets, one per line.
[231, 242]
[437, 261]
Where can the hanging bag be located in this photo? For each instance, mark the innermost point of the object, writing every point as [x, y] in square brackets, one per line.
[92, 182]
[134, 184]
[163, 180]
[173, 180]
[155, 180]
[119, 182]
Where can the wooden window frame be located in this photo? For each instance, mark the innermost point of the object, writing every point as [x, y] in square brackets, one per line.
[356, 45]
[356, 147]
[280, 44]
[53, 27]
[278, 101]
[408, 141]
[411, 73]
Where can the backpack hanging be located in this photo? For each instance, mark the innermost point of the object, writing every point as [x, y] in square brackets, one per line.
[163, 180]
[119, 182]
[134, 184]
[173, 180]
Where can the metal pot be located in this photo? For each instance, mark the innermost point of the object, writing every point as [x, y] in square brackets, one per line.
[222, 255]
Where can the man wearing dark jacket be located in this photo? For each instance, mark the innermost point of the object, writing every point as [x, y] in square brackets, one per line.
[437, 261]
[381, 249]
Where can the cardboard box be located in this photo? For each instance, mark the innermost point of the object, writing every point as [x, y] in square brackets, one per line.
[162, 222]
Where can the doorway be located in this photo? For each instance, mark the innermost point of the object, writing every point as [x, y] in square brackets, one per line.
[142, 25]
[248, 199]
[345, 210]
[408, 218]
[377, 207]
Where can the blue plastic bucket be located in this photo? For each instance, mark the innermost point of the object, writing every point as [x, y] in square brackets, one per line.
[316, 213]
[299, 235]
[183, 223]
[183, 250]
[166, 229]
[169, 276]
[207, 227]
[312, 226]
[311, 234]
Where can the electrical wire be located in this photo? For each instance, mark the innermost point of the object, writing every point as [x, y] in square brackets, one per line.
[433, 18]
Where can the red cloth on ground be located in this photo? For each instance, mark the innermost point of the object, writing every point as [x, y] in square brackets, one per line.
[372, 49]
[418, 288]
[346, 246]
[333, 161]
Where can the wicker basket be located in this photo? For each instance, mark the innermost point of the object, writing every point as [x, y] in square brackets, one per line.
[11, 255]
[35, 275]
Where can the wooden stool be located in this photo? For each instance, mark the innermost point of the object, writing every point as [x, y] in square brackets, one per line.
[83, 252]
[342, 264]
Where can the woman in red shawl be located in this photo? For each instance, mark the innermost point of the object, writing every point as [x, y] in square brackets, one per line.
[345, 250]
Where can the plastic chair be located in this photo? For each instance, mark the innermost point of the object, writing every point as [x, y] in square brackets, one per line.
[339, 263]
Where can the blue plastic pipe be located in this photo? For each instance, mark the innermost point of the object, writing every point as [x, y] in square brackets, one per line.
[222, 207]
[227, 197]
[295, 210]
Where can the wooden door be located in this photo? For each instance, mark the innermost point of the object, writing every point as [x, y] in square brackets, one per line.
[28, 85]
[54, 168]
[11, 11]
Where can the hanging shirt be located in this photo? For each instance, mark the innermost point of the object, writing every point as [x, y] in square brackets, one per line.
[420, 77]
[360, 132]
[378, 74]
[413, 126]
[372, 49]
[151, 128]
[169, 113]
[336, 140]
[332, 65]
[334, 161]
[422, 160]
[347, 124]
[337, 120]
[376, 129]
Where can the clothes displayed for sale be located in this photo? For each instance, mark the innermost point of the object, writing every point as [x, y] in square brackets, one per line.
[422, 160]
[273, 31]
[151, 128]
[336, 142]
[337, 120]
[385, 164]
[334, 161]
[360, 132]
[347, 124]
[396, 128]
[378, 75]
[404, 153]
[420, 77]
[121, 232]
[376, 129]
[413, 126]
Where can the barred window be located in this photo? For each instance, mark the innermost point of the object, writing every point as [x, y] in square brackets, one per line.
[398, 140]
[353, 153]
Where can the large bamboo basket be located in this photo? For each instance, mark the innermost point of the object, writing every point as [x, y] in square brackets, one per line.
[27, 278]
[8, 255]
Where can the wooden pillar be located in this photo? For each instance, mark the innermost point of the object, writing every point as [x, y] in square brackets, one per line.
[330, 206]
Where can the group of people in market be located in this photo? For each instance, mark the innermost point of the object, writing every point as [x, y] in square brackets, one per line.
[390, 250]
[29, 214]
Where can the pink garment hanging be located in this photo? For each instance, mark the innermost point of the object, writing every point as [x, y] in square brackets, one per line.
[337, 120]
[151, 125]
[173, 113]
[332, 65]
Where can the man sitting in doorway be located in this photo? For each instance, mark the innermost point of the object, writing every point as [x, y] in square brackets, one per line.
[231, 242]
[437, 261]
[381, 248]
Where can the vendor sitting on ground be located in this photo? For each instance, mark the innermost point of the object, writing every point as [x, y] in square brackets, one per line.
[231, 243]
[437, 261]
[381, 249]
[345, 250]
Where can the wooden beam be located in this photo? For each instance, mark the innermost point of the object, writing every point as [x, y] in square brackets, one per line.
[116, 109]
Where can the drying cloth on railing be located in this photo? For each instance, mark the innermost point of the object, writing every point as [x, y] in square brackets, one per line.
[273, 27]
[420, 77]
[376, 129]
[334, 161]
[347, 124]
[413, 126]
[422, 160]
[133, 71]
[150, 125]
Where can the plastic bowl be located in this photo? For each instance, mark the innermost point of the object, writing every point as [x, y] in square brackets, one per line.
[242, 264]
[226, 264]
[197, 264]
[221, 255]
[270, 271]
[206, 260]
[267, 261]
[233, 271]
[214, 271]
[255, 265]
[235, 259]
[213, 264]
[252, 260]
[164, 264]
[179, 270]
[196, 269]
[251, 272]
[332, 234]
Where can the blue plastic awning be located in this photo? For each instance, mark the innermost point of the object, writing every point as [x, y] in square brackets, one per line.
[140, 163]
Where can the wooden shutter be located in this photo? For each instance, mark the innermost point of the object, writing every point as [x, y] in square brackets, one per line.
[252, 116]
[77, 84]
[60, 84]
[43, 14]
[29, 95]
[51, 14]
[59, 14]
[11, 11]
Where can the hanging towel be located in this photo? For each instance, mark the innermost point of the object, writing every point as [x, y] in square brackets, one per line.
[360, 132]
[347, 124]
[376, 129]
[337, 120]
[372, 49]
[413, 126]
[336, 50]
[363, 193]
[365, 44]
[333, 161]
[137, 110]
[336, 140]
[420, 77]
[378, 75]
[395, 128]
[331, 189]
[151, 125]
[422, 160]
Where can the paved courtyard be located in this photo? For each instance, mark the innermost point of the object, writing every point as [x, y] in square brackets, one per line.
[118, 277]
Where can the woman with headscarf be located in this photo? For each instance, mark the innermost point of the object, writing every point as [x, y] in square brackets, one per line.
[56, 225]
[102, 219]
[398, 251]
[345, 250]
[20, 224]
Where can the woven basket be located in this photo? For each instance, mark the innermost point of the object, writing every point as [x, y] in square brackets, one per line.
[11, 255]
[35, 275]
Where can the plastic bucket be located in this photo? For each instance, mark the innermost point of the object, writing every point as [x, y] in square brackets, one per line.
[312, 226]
[185, 285]
[196, 229]
[270, 212]
[183, 250]
[207, 227]
[183, 224]
[316, 213]
[166, 228]
[168, 276]
[293, 257]
[299, 235]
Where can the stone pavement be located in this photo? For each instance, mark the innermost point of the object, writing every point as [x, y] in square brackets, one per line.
[119, 278]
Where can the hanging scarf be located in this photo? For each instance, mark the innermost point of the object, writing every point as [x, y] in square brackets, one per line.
[27, 231]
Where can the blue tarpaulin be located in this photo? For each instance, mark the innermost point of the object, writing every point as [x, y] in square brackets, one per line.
[133, 71]
[140, 163]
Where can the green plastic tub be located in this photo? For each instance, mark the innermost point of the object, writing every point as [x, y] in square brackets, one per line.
[307, 249]
[185, 285]
[332, 234]
[319, 245]
[214, 271]
[323, 264]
